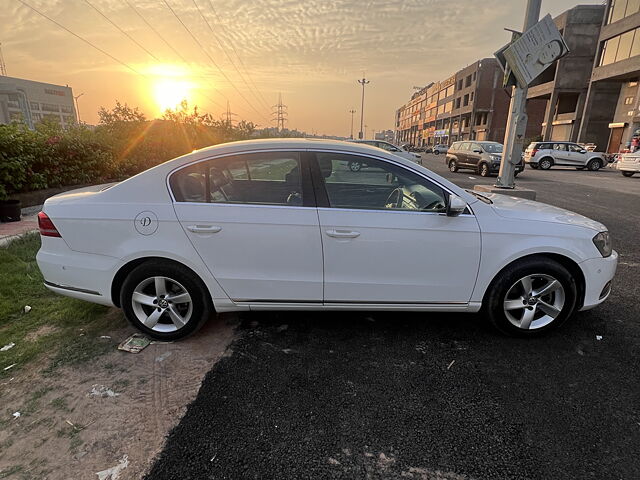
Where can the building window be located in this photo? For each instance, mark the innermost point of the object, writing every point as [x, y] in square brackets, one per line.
[628, 100]
[474, 76]
[35, 105]
[467, 81]
[620, 9]
[66, 109]
[620, 48]
[472, 94]
[460, 84]
[458, 100]
[36, 117]
[48, 107]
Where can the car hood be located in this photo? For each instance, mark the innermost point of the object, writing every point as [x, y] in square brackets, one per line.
[521, 209]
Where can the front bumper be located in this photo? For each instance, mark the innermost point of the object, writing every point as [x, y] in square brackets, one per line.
[598, 275]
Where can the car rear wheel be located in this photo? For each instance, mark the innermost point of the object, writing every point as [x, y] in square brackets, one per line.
[484, 170]
[531, 297]
[534, 166]
[594, 165]
[628, 174]
[453, 166]
[545, 164]
[436, 152]
[165, 300]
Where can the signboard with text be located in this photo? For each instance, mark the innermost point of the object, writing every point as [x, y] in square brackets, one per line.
[535, 51]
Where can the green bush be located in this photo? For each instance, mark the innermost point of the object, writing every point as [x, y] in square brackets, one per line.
[123, 144]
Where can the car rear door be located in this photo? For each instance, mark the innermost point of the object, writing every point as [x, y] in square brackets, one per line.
[474, 154]
[378, 253]
[253, 221]
[561, 155]
[461, 153]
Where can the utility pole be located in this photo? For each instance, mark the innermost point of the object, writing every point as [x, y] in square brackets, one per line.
[362, 82]
[77, 109]
[280, 113]
[517, 121]
[352, 111]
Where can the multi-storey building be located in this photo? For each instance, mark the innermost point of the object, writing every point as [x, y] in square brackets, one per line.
[32, 102]
[611, 117]
[564, 85]
[469, 105]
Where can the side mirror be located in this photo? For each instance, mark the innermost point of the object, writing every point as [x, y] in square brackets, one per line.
[583, 151]
[456, 206]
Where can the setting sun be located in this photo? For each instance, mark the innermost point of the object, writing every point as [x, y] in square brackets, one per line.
[171, 85]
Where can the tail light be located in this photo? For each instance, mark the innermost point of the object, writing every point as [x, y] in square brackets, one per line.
[46, 226]
[533, 152]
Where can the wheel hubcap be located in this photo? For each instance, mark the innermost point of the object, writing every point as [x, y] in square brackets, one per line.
[534, 301]
[162, 304]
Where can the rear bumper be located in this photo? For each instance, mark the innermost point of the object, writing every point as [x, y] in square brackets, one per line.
[78, 275]
[598, 274]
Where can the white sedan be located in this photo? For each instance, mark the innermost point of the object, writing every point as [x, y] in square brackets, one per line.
[286, 225]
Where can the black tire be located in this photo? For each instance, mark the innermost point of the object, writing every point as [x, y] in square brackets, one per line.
[355, 166]
[200, 305]
[546, 163]
[515, 174]
[628, 174]
[436, 152]
[534, 166]
[453, 166]
[594, 164]
[484, 170]
[508, 278]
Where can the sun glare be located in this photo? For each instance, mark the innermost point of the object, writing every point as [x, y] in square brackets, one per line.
[171, 85]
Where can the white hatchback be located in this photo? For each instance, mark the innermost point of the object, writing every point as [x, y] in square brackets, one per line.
[286, 225]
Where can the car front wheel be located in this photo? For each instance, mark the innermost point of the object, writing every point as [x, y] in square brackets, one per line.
[531, 297]
[594, 165]
[165, 300]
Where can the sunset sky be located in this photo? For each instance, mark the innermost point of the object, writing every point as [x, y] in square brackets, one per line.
[311, 51]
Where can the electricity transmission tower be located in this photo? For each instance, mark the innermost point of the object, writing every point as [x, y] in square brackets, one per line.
[228, 114]
[3, 67]
[280, 114]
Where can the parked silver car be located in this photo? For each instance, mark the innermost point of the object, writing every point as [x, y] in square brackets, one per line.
[545, 155]
[629, 163]
[440, 148]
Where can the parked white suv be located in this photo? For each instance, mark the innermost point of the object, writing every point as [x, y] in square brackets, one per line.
[629, 163]
[545, 155]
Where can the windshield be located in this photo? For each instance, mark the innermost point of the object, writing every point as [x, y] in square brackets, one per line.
[492, 147]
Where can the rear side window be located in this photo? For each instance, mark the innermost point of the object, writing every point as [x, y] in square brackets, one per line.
[545, 146]
[256, 178]
[465, 146]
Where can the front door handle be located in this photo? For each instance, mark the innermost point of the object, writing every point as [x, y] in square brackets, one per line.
[343, 233]
[204, 228]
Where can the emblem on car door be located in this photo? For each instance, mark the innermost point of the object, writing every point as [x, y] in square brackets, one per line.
[146, 223]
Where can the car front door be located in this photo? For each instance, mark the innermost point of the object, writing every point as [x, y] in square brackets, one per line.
[474, 154]
[386, 238]
[253, 221]
[577, 155]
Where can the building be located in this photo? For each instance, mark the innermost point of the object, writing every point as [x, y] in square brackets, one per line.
[384, 135]
[32, 102]
[611, 116]
[564, 86]
[469, 105]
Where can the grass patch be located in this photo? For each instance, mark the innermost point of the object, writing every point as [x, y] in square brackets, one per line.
[71, 327]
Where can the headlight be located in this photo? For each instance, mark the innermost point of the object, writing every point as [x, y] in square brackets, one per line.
[496, 158]
[602, 241]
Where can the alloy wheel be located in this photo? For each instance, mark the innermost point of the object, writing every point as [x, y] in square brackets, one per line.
[545, 164]
[484, 170]
[534, 301]
[162, 304]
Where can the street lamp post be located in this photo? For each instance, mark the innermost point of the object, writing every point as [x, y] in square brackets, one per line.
[352, 111]
[362, 82]
[77, 109]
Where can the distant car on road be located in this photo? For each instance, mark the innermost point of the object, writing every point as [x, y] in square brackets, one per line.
[282, 225]
[481, 157]
[390, 147]
[440, 148]
[629, 164]
[544, 155]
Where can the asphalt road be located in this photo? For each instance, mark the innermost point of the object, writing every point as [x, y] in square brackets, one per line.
[431, 396]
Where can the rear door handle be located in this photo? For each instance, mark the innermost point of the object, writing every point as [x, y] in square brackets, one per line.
[343, 233]
[204, 228]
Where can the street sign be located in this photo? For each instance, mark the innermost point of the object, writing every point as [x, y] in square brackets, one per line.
[535, 51]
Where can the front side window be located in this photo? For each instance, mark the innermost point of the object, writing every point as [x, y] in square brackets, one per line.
[493, 147]
[575, 148]
[255, 178]
[377, 185]
[562, 147]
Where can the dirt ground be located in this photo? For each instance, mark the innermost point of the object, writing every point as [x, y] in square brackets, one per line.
[110, 415]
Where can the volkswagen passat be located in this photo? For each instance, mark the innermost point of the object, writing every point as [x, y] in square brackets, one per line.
[286, 225]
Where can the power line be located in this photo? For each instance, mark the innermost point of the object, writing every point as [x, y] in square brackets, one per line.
[132, 7]
[233, 47]
[213, 33]
[83, 39]
[211, 59]
[122, 31]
